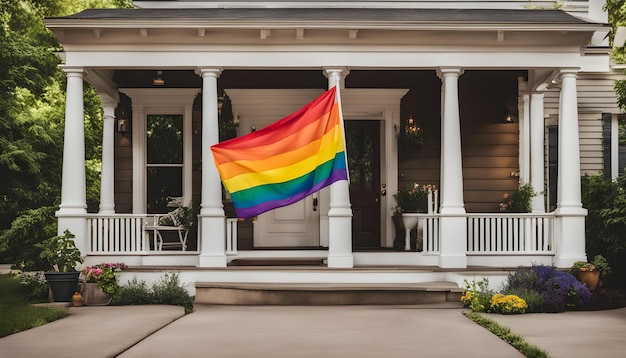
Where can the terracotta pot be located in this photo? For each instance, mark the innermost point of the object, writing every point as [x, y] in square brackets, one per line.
[589, 278]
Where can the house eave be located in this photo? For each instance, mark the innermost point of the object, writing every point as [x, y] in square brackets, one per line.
[269, 24]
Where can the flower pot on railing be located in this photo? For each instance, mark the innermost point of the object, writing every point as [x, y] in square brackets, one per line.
[410, 222]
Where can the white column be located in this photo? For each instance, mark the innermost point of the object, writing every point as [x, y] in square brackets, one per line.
[212, 217]
[340, 209]
[107, 184]
[537, 155]
[73, 207]
[570, 220]
[524, 139]
[453, 223]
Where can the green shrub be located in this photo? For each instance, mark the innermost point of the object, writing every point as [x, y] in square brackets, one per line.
[519, 201]
[168, 291]
[605, 223]
[554, 291]
[533, 299]
[34, 286]
[135, 292]
[477, 295]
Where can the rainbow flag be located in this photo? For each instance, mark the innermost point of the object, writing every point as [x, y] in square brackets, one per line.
[285, 161]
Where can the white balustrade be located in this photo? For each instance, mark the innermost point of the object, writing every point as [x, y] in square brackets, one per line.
[510, 234]
[231, 236]
[119, 233]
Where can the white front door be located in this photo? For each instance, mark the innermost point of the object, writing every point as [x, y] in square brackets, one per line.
[296, 225]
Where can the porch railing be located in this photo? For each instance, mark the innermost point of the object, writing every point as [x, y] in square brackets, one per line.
[497, 234]
[429, 227]
[231, 236]
[504, 234]
[118, 233]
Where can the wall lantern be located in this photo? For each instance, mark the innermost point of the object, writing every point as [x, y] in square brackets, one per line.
[123, 126]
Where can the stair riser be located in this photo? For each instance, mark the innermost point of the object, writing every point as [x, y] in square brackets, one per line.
[229, 296]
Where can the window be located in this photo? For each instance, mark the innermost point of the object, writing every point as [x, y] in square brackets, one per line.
[164, 160]
[613, 144]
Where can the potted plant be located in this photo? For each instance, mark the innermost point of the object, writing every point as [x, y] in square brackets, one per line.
[589, 273]
[411, 200]
[519, 201]
[412, 137]
[101, 283]
[63, 256]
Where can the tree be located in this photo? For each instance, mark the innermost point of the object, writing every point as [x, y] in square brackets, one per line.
[32, 102]
[616, 10]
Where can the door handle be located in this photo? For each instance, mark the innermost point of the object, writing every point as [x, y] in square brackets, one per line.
[314, 204]
[383, 192]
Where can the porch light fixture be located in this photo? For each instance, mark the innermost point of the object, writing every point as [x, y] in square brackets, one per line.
[508, 118]
[159, 81]
[220, 104]
[123, 126]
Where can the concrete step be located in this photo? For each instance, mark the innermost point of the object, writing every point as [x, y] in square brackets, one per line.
[262, 293]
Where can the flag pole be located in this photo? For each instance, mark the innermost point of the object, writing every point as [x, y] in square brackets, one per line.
[343, 129]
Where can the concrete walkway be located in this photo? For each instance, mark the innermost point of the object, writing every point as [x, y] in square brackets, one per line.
[311, 331]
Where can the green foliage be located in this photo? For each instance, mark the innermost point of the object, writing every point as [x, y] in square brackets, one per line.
[605, 201]
[519, 200]
[599, 263]
[412, 137]
[515, 340]
[16, 314]
[168, 290]
[18, 243]
[605, 224]
[32, 107]
[61, 253]
[533, 299]
[477, 295]
[413, 198]
[105, 275]
[616, 10]
[134, 292]
[34, 286]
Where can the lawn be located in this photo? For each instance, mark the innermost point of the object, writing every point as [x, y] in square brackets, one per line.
[16, 312]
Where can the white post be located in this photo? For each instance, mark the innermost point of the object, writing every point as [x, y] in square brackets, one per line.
[107, 179]
[524, 139]
[570, 215]
[453, 224]
[537, 158]
[212, 217]
[340, 210]
[73, 207]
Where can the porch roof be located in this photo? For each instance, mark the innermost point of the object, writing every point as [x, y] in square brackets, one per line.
[339, 16]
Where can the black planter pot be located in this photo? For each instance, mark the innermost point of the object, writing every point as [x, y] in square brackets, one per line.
[62, 284]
